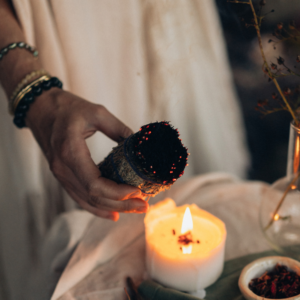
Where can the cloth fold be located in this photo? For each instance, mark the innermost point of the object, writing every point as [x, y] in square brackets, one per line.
[110, 252]
[144, 61]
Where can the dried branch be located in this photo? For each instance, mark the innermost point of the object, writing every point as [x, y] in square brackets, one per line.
[266, 68]
[257, 28]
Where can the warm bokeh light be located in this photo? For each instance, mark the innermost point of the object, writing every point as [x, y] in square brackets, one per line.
[276, 217]
[296, 155]
[187, 221]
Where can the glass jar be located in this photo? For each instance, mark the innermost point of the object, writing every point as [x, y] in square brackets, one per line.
[280, 216]
[293, 161]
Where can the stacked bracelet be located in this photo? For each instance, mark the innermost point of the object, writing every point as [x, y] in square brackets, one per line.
[21, 45]
[25, 90]
[27, 95]
[24, 82]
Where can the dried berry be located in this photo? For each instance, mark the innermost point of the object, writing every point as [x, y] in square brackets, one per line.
[280, 25]
[278, 283]
[261, 103]
[273, 66]
[287, 91]
[280, 60]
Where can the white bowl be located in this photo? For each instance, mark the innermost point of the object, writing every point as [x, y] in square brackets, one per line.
[260, 266]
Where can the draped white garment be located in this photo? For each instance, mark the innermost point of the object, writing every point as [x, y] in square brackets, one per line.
[145, 60]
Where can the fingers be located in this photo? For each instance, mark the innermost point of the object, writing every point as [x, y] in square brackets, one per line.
[72, 120]
[127, 206]
[111, 215]
[77, 158]
[104, 194]
[113, 190]
[106, 208]
[107, 123]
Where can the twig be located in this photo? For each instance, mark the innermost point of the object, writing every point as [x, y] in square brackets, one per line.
[127, 293]
[267, 65]
[281, 201]
[133, 289]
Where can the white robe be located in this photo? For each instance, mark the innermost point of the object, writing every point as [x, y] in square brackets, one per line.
[145, 60]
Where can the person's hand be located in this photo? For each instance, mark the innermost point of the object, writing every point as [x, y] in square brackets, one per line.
[60, 122]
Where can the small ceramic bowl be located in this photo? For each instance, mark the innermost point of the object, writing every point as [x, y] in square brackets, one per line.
[260, 266]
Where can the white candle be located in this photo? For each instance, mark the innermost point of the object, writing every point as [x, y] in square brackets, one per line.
[189, 266]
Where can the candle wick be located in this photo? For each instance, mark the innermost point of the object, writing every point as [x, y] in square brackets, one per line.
[186, 238]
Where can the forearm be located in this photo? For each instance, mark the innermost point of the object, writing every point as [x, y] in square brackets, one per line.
[18, 62]
[60, 122]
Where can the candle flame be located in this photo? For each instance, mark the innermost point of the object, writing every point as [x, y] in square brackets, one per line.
[187, 221]
[187, 249]
[187, 225]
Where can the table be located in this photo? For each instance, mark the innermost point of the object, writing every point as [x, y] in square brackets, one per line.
[109, 252]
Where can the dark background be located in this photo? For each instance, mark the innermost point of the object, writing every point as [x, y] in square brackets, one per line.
[267, 136]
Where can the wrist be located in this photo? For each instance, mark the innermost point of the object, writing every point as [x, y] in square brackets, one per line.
[27, 96]
[44, 105]
[14, 67]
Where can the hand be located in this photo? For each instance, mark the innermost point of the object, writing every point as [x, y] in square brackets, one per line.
[60, 122]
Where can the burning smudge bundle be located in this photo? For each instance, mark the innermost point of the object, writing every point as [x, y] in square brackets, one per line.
[151, 159]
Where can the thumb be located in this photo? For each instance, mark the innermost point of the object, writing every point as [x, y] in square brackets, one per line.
[111, 126]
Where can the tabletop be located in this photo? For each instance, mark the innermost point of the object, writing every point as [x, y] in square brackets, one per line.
[109, 252]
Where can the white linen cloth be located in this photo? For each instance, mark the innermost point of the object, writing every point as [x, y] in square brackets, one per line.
[145, 61]
[109, 252]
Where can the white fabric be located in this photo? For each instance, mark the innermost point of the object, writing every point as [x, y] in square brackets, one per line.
[109, 252]
[145, 61]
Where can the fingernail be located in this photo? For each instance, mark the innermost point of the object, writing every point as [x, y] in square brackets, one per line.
[114, 217]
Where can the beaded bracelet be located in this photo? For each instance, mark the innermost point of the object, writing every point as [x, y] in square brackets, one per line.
[26, 89]
[21, 45]
[24, 82]
[28, 94]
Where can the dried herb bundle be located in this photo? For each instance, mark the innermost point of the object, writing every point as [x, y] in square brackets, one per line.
[151, 159]
[278, 283]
